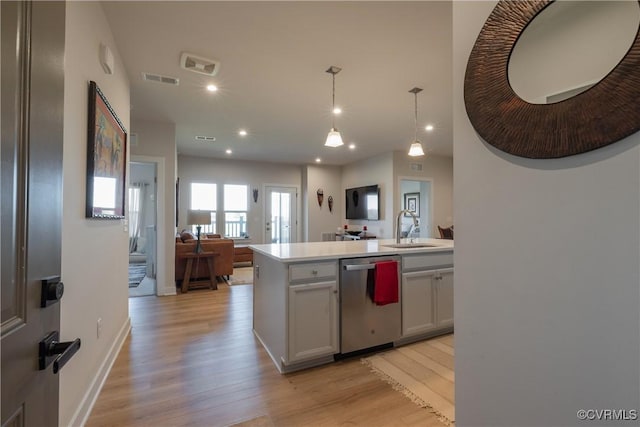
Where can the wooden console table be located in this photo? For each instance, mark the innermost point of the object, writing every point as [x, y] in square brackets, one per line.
[190, 256]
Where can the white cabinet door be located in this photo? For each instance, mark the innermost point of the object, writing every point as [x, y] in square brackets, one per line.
[313, 320]
[418, 302]
[444, 298]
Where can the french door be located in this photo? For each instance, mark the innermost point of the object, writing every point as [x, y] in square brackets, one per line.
[280, 214]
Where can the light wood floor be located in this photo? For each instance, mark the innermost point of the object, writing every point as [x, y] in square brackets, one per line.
[192, 359]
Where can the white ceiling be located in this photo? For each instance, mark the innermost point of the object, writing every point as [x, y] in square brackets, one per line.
[272, 76]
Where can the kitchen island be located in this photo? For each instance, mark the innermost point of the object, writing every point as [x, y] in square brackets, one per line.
[297, 295]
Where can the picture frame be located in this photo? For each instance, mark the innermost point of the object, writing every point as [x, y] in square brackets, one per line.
[412, 203]
[106, 159]
[177, 199]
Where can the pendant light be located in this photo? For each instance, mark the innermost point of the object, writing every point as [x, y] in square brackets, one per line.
[416, 146]
[333, 138]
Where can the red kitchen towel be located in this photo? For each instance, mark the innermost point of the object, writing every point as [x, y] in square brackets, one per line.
[386, 283]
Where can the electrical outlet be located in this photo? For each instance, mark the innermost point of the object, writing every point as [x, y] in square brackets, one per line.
[99, 327]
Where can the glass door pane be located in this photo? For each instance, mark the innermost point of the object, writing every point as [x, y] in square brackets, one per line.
[281, 215]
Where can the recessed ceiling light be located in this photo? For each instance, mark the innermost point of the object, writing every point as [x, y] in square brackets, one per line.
[212, 88]
[242, 132]
[318, 159]
[228, 151]
[352, 146]
[337, 110]
[428, 128]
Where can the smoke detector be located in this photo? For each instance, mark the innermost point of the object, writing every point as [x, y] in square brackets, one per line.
[199, 64]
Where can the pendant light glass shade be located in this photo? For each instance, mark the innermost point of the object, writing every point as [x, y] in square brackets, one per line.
[333, 138]
[416, 147]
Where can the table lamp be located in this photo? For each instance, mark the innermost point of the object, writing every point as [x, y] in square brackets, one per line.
[198, 218]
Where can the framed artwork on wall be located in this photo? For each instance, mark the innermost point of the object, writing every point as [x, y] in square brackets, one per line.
[177, 198]
[106, 159]
[412, 203]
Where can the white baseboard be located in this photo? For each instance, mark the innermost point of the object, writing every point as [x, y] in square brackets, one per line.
[89, 399]
[165, 291]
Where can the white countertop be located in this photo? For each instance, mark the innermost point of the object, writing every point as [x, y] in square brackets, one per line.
[311, 251]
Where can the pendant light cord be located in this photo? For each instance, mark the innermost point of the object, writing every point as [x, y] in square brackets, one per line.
[415, 122]
[333, 103]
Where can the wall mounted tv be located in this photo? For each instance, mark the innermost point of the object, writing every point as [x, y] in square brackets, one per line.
[363, 202]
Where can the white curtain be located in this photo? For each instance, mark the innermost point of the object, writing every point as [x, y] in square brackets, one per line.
[137, 192]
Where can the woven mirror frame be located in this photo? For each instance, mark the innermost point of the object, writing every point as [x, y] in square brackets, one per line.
[605, 113]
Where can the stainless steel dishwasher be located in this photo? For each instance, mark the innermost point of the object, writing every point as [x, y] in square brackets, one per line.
[364, 324]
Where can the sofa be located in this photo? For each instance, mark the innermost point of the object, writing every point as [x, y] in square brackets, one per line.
[223, 262]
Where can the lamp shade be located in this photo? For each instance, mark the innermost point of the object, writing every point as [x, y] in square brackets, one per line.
[333, 138]
[416, 149]
[197, 217]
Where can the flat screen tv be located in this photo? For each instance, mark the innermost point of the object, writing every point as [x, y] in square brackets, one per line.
[363, 202]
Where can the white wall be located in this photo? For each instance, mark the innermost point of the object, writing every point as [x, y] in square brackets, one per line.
[158, 140]
[438, 170]
[547, 289]
[94, 252]
[383, 170]
[374, 170]
[228, 171]
[319, 218]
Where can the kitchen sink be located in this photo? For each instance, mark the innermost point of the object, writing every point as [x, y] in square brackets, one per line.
[410, 245]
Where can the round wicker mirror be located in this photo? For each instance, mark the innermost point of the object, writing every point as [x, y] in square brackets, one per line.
[605, 113]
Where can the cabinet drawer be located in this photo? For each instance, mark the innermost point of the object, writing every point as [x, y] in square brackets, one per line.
[311, 271]
[423, 261]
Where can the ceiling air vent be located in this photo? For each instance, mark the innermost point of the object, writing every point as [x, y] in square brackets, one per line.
[198, 64]
[160, 79]
[205, 138]
[416, 167]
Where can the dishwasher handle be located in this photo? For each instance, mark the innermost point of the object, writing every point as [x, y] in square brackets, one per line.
[357, 267]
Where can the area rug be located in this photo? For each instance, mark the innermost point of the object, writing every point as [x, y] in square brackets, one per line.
[423, 372]
[136, 274]
[241, 276]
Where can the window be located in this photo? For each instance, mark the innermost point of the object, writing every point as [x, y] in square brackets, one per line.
[235, 210]
[204, 197]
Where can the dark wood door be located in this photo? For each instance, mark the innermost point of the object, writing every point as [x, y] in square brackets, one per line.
[32, 95]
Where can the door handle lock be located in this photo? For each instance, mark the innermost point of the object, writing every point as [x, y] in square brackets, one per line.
[58, 353]
[52, 291]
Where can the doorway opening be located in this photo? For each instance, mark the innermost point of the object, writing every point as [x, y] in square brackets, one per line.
[416, 195]
[142, 229]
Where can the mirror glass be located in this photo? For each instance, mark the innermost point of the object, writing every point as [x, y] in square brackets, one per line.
[569, 47]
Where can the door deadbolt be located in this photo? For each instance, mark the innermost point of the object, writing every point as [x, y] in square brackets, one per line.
[52, 291]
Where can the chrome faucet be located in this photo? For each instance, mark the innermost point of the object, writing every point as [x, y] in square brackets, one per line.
[398, 228]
